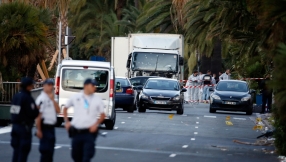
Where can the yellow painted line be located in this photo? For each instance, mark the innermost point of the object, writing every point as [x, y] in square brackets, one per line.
[228, 123]
[171, 116]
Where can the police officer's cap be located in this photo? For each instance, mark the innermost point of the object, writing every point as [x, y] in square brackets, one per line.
[26, 82]
[48, 81]
[90, 81]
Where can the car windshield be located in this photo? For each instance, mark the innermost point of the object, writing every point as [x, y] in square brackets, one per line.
[162, 85]
[123, 82]
[232, 86]
[140, 81]
[155, 61]
[73, 79]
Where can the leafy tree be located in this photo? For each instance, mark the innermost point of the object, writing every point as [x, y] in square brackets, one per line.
[23, 36]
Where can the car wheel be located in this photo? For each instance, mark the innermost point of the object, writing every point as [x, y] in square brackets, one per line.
[59, 122]
[180, 111]
[249, 112]
[130, 109]
[212, 110]
[109, 124]
[141, 109]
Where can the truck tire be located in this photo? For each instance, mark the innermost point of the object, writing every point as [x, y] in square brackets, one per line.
[109, 124]
[131, 108]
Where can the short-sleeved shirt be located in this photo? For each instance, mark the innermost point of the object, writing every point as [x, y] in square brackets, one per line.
[47, 109]
[87, 108]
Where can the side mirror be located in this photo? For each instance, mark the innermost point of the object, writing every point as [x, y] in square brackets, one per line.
[118, 85]
[181, 61]
[128, 64]
[183, 90]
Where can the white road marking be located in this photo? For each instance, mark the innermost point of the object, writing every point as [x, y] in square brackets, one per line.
[122, 122]
[5, 130]
[195, 132]
[197, 127]
[198, 117]
[172, 155]
[209, 116]
[124, 149]
[192, 139]
[185, 146]
[129, 117]
[57, 147]
[197, 122]
[115, 127]
[239, 118]
[183, 115]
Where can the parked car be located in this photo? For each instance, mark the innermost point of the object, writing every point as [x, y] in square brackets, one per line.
[124, 95]
[232, 95]
[138, 83]
[161, 94]
[70, 77]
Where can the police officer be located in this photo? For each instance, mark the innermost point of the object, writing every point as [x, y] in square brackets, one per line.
[23, 113]
[46, 121]
[84, 125]
[266, 94]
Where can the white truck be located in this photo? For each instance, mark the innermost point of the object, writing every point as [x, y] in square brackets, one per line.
[148, 54]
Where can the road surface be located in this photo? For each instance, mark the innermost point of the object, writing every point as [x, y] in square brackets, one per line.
[164, 136]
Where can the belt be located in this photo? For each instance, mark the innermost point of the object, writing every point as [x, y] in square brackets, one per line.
[79, 131]
[48, 126]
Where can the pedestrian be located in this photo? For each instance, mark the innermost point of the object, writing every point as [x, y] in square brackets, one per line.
[214, 79]
[225, 76]
[46, 121]
[207, 82]
[23, 114]
[194, 86]
[186, 94]
[200, 83]
[83, 128]
[266, 94]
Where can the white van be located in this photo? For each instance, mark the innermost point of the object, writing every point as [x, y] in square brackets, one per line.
[69, 81]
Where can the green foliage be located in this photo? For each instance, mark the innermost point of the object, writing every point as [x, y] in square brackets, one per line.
[278, 84]
[23, 36]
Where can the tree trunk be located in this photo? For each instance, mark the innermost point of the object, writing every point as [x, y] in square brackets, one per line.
[216, 62]
[32, 71]
[120, 5]
[206, 64]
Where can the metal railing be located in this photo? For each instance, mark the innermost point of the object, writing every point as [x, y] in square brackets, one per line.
[9, 89]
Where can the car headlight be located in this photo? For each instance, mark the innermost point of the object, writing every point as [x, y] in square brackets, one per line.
[245, 99]
[216, 97]
[176, 98]
[143, 96]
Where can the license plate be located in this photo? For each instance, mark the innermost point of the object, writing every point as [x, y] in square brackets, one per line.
[119, 90]
[160, 102]
[230, 103]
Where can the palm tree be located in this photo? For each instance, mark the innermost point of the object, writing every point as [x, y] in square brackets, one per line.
[23, 36]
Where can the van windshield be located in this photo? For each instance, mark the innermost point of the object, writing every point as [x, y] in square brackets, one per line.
[73, 79]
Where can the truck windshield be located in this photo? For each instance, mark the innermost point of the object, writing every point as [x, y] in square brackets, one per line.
[155, 62]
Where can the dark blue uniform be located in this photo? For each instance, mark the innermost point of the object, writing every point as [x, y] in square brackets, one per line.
[23, 113]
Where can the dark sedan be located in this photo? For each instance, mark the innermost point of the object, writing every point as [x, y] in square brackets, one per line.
[137, 83]
[161, 94]
[124, 96]
[232, 95]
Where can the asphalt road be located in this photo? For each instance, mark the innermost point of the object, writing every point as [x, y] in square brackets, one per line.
[163, 136]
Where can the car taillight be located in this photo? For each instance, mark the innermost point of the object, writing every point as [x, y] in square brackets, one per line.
[129, 91]
[57, 88]
[111, 88]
